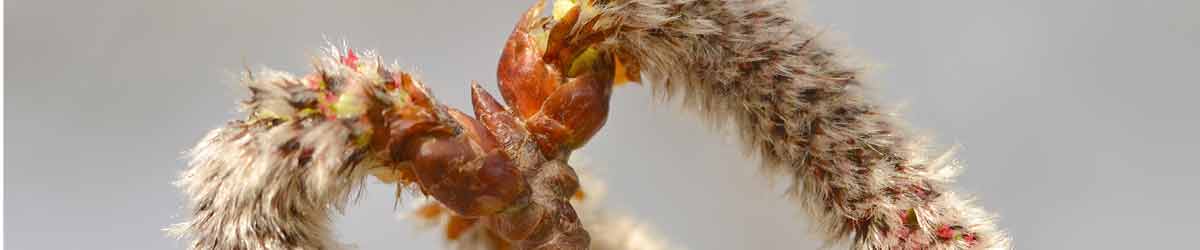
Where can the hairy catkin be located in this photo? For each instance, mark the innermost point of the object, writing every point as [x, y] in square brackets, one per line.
[245, 196]
[858, 173]
[273, 179]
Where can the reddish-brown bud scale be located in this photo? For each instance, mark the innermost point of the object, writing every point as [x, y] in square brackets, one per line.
[506, 127]
[502, 181]
[544, 224]
[467, 172]
[525, 80]
[558, 53]
[561, 113]
[581, 107]
[475, 131]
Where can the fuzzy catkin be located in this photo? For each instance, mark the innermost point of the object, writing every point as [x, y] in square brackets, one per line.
[272, 180]
[855, 169]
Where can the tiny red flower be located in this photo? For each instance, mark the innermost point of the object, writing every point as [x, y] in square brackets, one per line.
[350, 59]
[945, 232]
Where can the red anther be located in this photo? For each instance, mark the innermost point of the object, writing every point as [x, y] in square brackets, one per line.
[350, 59]
[945, 232]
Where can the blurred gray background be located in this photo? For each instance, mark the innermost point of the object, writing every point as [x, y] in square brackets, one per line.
[1077, 119]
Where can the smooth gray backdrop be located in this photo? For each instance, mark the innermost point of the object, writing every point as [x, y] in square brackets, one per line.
[1077, 119]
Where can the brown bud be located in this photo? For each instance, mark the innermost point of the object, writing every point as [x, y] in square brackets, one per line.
[525, 80]
[576, 111]
[506, 127]
[483, 102]
[470, 184]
